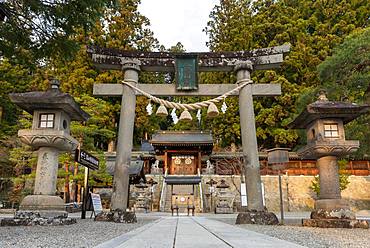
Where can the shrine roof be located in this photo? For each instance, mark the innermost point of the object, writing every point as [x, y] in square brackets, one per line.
[182, 138]
[328, 109]
[182, 180]
[52, 99]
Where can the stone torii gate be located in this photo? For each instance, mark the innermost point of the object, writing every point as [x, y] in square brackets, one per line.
[132, 62]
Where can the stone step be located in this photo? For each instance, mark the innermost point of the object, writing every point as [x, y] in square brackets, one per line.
[181, 189]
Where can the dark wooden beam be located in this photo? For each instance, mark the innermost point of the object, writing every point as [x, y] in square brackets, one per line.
[112, 59]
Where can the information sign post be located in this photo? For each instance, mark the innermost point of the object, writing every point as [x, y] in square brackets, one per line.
[90, 162]
[278, 158]
[96, 203]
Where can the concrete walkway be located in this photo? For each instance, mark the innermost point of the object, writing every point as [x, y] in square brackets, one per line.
[183, 232]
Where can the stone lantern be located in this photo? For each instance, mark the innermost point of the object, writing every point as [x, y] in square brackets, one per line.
[324, 123]
[141, 204]
[225, 199]
[52, 113]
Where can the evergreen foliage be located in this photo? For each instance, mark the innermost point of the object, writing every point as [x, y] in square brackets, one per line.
[313, 28]
[122, 26]
[38, 29]
[346, 75]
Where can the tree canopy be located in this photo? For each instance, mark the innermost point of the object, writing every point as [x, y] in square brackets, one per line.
[313, 28]
[35, 29]
[346, 76]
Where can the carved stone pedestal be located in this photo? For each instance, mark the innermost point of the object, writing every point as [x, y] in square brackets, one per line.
[118, 216]
[156, 171]
[330, 209]
[224, 210]
[142, 204]
[335, 218]
[257, 217]
[42, 203]
[224, 204]
[336, 223]
[333, 213]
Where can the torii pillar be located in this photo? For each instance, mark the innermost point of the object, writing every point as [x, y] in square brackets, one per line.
[256, 213]
[119, 199]
[121, 187]
[249, 137]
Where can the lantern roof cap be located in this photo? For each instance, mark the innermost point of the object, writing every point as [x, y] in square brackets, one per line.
[323, 108]
[52, 99]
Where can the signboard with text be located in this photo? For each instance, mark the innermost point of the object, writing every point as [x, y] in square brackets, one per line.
[86, 159]
[96, 202]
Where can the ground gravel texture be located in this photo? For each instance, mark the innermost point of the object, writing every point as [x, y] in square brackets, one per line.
[312, 236]
[86, 233]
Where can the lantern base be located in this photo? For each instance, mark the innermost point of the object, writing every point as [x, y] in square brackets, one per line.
[50, 203]
[333, 213]
[38, 218]
[224, 210]
[335, 223]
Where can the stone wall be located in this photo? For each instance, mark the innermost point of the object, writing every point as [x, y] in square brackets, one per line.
[297, 192]
[358, 192]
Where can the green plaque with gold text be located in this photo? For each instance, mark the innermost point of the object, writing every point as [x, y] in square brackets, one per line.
[186, 67]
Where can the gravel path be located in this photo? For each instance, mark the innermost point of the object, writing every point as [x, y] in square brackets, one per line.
[313, 237]
[86, 233]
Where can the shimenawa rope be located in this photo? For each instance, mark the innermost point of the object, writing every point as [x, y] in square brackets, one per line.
[188, 106]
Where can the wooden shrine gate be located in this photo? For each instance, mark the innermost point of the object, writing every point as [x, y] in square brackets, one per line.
[182, 151]
[183, 165]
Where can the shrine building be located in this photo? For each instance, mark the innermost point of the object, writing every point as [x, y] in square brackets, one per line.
[182, 153]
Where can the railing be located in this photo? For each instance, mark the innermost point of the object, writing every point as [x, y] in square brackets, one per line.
[162, 201]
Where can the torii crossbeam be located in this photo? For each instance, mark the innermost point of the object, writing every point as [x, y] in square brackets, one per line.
[243, 63]
[262, 59]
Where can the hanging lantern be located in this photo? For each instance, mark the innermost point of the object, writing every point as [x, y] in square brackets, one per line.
[212, 110]
[185, 116]
[161, 111]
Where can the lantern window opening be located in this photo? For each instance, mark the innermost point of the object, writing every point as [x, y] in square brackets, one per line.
[331, 130]
[47, 120]
[313, 133]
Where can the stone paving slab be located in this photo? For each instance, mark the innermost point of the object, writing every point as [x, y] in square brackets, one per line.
[189, 235]
[239, 237]
[184, 232]
[159, 234]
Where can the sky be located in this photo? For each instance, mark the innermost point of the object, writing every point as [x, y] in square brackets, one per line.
[182, 21]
